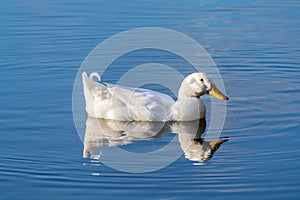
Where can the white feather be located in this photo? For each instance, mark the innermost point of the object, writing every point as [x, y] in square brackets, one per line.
[117, 102]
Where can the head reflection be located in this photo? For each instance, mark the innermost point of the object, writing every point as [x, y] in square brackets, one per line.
[107, 133]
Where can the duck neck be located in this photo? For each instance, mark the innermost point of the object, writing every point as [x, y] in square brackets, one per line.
[185, 91]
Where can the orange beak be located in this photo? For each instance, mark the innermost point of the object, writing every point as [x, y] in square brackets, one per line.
[216, 93]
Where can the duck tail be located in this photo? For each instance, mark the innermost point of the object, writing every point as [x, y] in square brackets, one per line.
[93, 75]
[90, 87]
[89, 83]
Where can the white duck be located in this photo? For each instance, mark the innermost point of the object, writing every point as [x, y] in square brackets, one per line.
[121, 103]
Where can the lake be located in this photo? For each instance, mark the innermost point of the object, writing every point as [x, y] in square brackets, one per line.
[254, 44]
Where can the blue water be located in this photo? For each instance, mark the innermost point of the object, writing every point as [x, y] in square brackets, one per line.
[256, 46]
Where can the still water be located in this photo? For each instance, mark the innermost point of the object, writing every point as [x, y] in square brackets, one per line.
[256, 46]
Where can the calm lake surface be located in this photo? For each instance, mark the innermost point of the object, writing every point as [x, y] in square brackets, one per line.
[256, 46]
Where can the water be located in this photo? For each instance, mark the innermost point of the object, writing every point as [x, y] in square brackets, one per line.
[255, 44]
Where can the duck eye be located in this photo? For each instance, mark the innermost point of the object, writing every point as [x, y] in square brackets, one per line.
[201, 80]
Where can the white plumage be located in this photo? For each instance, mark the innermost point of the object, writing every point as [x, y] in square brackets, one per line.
[121, 103]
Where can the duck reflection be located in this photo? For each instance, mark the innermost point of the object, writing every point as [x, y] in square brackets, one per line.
[106, 133]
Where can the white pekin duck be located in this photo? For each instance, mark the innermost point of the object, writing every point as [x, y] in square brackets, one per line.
[121, 103]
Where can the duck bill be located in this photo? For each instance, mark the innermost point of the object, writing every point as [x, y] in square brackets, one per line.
[216, 93]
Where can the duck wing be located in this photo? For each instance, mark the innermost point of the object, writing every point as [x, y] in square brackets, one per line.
[124, 103]
[139, 104]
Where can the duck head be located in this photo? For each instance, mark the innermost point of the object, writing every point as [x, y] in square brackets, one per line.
[197, 84]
